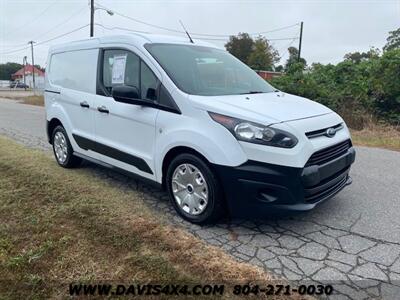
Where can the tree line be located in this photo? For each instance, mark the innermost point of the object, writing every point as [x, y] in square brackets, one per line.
[9, 68]
[364, 85]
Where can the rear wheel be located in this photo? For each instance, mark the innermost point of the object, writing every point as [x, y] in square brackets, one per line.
[62, 149]
[194, 190]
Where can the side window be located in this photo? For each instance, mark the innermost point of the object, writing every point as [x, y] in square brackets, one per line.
[120, 67]
[148, 83]
[74, 70]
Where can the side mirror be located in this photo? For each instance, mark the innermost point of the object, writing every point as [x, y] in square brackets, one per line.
[130, 95]
[125, 94]
[151, 94]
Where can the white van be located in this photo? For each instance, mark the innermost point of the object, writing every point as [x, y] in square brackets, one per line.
[196, 121]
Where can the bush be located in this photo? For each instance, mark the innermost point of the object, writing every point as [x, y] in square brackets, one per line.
[358, 90]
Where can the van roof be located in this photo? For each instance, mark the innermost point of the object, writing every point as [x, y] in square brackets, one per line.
[136, 39]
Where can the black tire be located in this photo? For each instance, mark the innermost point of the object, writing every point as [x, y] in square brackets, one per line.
[215, 205]
[70, 161]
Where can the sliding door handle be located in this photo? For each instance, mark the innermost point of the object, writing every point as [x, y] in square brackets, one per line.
[84, 104]
[103, 109]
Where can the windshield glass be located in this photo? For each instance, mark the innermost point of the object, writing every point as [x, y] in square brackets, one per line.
[206, 71]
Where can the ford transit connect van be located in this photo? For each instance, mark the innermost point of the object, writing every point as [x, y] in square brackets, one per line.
[196, 121]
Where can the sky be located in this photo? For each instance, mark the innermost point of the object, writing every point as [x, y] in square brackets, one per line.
[332, 28]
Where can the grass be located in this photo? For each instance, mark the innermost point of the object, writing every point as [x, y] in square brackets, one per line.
[60, 226]
[32, 100]
[387, 137]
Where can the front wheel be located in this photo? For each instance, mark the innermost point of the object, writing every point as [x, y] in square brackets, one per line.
[62, 149]
[194, 190]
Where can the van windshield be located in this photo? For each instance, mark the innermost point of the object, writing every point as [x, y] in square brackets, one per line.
[206, 71]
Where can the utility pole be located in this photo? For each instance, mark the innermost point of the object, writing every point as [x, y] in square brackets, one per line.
[300, 41]
[91, 18]
[24, 66]
[33, 66]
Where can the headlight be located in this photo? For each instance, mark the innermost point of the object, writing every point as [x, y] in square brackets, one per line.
[255, 133]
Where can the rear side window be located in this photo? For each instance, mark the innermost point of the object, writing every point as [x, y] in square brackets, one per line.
[120, 67]
[74, 70]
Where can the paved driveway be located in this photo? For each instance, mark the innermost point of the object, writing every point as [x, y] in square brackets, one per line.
[353, 240]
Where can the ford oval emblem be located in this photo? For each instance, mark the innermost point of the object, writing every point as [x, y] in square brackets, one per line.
[330, 132]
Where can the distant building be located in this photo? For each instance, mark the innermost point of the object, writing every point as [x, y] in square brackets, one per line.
[268, 75]
[28, 70]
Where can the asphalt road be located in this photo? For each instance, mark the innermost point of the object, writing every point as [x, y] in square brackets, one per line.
[352, 239]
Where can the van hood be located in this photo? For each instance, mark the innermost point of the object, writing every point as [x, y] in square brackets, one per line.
[266, 108]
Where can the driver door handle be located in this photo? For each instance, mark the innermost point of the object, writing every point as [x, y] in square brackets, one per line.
[84, 104]
[103, 109]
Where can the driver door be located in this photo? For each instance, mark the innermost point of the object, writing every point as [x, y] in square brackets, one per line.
[125, 133]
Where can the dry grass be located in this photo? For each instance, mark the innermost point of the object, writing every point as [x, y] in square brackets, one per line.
[381, 136]
[59, 226]
[32, 100]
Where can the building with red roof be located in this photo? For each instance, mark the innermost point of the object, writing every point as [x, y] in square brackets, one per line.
[27, 71]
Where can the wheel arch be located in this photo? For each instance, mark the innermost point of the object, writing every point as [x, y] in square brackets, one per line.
[51, 125]
[174, 152]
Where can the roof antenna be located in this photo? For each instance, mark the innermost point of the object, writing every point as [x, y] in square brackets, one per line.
[190, 38]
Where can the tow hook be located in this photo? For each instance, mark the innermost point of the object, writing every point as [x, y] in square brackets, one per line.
[349, 181]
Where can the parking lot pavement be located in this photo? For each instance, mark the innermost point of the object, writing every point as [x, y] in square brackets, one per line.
[352, 240]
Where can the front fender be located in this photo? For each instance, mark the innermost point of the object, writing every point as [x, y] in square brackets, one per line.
[209, 139]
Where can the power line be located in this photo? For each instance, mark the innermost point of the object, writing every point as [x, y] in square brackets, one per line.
[139, 21]
[101, 22]
[61, 35]
[286, 47]
[279, 39]
[121, 28]
[13, 46]
[208, 39]
[192, 33]
[14, 50]
[76, 13]
[48, 40]
[51, 30]
[33, 20]
[254, 33]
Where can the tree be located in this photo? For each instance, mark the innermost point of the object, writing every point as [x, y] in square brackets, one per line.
[240, 46]
[40, 68]
[263, 56]
[293, 58]
[386, 86]
[279, 68]
[393, 40]
[357, 57]
[7, 69]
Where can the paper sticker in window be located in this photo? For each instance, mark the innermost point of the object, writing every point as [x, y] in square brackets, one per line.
[118, 69]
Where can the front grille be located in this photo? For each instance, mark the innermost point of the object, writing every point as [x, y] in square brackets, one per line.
[325, 155]
[328, 188]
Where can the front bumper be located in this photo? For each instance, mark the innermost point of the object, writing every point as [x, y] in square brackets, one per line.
[258, 189]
